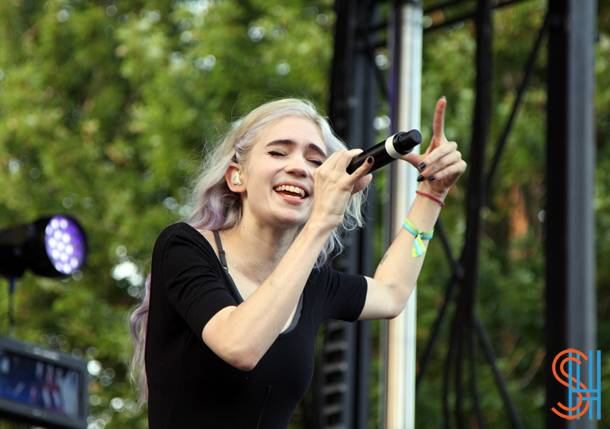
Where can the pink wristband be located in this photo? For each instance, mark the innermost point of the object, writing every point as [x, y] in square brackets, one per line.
[438, 200]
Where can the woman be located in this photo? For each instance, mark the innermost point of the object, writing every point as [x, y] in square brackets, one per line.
[237, 294]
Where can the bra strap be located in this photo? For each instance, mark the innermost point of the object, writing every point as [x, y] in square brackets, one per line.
[221, 252]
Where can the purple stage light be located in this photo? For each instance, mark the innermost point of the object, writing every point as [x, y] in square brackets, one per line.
[52, 246]
[65, 244]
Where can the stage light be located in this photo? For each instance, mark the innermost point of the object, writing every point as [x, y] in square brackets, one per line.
[52, 246]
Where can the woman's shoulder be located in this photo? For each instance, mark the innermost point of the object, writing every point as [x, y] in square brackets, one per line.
[319, 275]
[182, 229]
[183, 233]
[325, 276]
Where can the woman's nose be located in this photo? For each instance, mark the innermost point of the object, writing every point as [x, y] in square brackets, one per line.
[297, 165]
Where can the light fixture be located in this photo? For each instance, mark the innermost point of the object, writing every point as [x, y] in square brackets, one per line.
[52, 246]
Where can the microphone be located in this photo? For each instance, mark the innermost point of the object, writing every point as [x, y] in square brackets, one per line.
[387, 151]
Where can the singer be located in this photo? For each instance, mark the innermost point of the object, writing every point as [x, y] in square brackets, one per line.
[225, 335]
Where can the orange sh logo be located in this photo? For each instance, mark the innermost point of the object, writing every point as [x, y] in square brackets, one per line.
[576, 386]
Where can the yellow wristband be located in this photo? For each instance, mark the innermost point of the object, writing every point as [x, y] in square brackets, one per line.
[418, 245]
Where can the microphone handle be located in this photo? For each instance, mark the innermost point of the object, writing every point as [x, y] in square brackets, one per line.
[387, 151]
[378, 152]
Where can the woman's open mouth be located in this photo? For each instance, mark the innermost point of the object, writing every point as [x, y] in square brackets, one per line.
[290, 191]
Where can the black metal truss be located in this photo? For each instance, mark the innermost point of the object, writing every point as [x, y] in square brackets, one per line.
[494, 4]
[342, 383]
[466, 325]
[356, 38]
[570, 219]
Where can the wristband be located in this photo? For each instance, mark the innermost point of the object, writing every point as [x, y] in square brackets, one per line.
[418, 245]
[438, 200]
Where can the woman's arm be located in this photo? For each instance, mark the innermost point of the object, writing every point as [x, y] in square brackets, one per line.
[395, 277]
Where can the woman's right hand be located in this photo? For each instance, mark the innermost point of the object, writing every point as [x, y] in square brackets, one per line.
[333, 187]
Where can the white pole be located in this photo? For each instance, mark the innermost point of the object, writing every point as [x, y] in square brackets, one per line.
[401, 358]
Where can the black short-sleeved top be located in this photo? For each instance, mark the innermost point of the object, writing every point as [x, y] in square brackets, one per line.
[191, 387]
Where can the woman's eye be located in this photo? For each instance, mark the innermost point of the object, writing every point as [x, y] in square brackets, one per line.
[274, 153]
[316, 162]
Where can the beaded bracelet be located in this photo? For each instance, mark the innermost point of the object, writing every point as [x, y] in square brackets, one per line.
[438, 200]
[418, 245]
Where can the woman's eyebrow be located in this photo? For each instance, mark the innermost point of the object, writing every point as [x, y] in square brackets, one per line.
[290, 142]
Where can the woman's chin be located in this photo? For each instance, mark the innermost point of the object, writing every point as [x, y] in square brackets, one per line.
[291, 219]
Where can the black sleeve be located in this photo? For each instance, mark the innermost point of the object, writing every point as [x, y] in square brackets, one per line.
[345, 294]
[192, 277]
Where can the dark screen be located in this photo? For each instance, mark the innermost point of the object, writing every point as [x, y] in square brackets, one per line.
[40, 384]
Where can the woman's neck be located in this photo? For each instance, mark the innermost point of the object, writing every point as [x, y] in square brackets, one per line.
[255, 250]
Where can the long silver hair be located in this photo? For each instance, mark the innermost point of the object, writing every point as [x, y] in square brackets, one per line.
[216, 207]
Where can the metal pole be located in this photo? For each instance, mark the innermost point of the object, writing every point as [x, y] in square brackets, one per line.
[346, 354]
[475, 202]
[570, 221]
[401, 359]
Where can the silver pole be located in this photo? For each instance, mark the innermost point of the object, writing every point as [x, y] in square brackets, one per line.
[401, 359]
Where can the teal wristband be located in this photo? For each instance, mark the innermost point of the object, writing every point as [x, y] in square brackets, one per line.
[418, 245]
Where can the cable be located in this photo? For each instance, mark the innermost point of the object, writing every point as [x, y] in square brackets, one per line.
[12, 284]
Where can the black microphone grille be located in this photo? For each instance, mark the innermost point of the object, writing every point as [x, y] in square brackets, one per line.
[406, 141]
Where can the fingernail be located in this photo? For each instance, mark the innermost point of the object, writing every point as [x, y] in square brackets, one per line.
[422, 166]
[369, 159]
[442, 96]
[431, 178]
[420, 178]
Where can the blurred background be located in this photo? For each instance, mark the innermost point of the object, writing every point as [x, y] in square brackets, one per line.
[108, 107]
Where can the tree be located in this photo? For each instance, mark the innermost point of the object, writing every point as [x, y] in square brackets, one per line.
[107, 108]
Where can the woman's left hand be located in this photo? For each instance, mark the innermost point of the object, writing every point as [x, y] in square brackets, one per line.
[441, 165]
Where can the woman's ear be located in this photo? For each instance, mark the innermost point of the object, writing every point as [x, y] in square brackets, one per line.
[233, 178]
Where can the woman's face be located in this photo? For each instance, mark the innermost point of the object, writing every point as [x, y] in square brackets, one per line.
[278, 179]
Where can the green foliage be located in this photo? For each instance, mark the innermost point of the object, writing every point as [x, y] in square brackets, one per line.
[105, 111]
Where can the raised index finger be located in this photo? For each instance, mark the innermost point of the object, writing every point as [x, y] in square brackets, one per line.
[438, 124]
